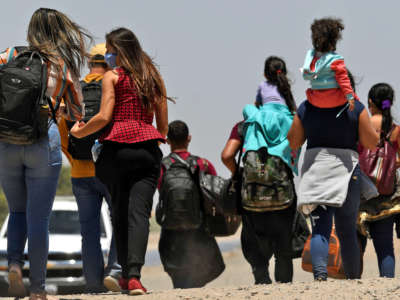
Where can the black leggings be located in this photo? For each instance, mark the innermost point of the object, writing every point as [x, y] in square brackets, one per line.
[131, 172]
[265, 234]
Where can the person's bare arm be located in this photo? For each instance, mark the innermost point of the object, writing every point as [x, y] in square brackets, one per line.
[296, 134]
[368, 136]
[231, 148]
[104, 116]
[161, 112]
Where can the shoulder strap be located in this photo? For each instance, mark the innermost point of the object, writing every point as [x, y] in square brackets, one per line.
[20, 49]
[167, 162]
[190, 163]
[241, 130]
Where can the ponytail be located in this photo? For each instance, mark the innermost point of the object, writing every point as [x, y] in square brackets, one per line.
[387, 122]
[382, 96]
[275, 72]
[284, 89]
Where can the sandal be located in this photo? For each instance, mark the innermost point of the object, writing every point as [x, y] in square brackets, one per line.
[16, 287]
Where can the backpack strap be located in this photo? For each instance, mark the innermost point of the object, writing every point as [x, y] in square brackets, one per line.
[167, 162]
[190, 162]
[20, 49]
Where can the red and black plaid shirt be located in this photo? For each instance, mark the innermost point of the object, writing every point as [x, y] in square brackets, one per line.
[131, 122]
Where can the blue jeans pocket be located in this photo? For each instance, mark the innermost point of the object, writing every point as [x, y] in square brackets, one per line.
[55, 157]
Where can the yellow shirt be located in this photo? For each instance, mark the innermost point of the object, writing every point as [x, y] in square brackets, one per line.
[79, 168]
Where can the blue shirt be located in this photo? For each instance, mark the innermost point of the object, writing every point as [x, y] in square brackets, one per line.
[323, 129]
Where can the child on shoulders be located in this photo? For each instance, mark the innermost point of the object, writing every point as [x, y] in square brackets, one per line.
[325, 69]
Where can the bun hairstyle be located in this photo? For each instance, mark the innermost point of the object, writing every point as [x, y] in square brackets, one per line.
[275, 72]
[382, 96]
[325, 34]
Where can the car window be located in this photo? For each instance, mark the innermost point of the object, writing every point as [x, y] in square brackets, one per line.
[64, 222]
[67, 222]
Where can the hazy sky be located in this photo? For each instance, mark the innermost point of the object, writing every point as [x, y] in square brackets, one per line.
[211, 53]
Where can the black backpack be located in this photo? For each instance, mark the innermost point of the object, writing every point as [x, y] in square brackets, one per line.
[179, 204]
[81, 148]
[24, 106]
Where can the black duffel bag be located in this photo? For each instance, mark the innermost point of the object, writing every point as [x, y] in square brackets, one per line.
[222, 201]
[220, 204]
[300, 234]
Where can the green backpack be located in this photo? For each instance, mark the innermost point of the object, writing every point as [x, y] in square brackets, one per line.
[267, 182]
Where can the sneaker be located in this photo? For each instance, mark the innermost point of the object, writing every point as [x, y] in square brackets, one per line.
[16, 286]
[113, 284]
[135, 287]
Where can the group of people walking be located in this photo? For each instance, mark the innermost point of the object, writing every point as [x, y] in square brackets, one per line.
[113, 149]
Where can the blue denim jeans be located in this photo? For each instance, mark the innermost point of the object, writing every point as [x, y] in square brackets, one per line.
[29, 176]
[382, 237]
[345, 224]
[89, 193]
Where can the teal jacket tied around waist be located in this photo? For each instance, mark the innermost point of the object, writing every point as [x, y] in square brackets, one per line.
[268, 127]
[323, 77]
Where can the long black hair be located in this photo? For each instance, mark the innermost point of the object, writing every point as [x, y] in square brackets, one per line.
[382, 95]
[275, 72]
[145, 75]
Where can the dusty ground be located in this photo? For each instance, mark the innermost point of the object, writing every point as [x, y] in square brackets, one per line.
[236, 283]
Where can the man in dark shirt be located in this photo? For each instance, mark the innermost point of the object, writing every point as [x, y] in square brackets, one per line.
[190, 257]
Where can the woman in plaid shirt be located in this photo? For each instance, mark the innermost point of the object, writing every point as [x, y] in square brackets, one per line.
[129, 163]
[29, 173]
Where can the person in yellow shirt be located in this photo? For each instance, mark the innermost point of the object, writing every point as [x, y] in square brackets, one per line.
[87, 189]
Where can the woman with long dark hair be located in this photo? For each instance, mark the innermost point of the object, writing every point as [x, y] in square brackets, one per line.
[129, 162]
[268, 207]
[29, 173]
[377, 215]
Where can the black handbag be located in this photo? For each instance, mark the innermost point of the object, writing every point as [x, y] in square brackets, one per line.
[221, 202]
[300, 233]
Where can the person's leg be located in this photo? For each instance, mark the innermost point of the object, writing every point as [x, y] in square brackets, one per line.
[139, 212]
[110, 174]
[346, 228]
[257, 256]
[382, 237]
[253, 254]
[89, 202]
[120, 196]
[282, 246]
[43, 165]
[113, 268]
[12, 180]
[319, 246]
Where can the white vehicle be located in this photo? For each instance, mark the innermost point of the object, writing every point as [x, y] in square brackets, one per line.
[64, 266]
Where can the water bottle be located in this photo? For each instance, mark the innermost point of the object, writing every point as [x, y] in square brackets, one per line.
[96, 149]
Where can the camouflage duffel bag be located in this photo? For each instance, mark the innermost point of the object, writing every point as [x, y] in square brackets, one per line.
[267, 182]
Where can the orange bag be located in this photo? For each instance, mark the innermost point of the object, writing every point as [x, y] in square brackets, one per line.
[335, 264]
